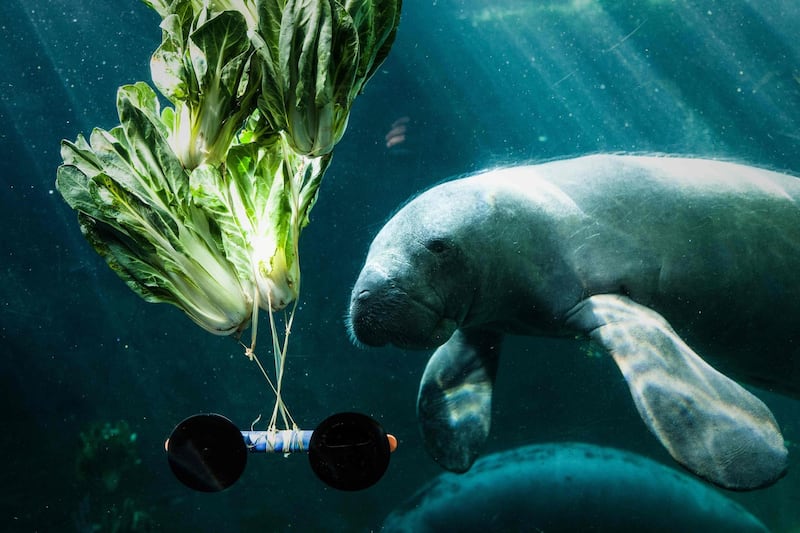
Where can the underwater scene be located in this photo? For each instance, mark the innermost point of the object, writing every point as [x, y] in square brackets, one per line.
[602, 414]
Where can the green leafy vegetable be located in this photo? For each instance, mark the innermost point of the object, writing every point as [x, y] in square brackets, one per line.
[317, 56]
[134, 205]
[202, 67]
[201, 205]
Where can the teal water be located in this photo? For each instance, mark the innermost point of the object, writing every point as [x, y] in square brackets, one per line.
[476, 84]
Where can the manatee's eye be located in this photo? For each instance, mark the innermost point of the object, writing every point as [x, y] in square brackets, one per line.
[436, 246]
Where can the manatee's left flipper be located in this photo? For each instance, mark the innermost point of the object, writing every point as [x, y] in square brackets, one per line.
[707, 422]
[454, 405]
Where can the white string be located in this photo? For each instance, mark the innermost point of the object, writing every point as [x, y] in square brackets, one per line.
[279, 353]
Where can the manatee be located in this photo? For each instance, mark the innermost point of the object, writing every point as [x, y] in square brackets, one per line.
[569, 487]
[658, 260]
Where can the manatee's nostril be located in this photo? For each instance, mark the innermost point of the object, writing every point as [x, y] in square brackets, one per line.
[369, 285]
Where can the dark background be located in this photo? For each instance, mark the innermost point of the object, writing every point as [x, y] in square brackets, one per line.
[482, 83]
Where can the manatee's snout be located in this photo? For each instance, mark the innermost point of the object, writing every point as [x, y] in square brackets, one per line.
[368, 303]
[388, 310]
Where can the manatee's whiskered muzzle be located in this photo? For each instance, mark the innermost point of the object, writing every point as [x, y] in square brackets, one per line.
[382, 312]
[371, 306]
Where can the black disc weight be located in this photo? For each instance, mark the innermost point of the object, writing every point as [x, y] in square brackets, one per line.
[349, 451]
[206, 452]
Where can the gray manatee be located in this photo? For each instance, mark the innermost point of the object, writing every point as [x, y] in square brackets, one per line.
[569, 487]
[656, 259]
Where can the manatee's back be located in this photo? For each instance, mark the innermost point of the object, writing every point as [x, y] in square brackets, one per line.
[713, 246]
[569, 487]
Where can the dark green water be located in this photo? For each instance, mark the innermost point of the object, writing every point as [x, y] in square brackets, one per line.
[482, 83]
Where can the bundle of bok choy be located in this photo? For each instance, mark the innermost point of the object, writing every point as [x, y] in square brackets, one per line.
[201, 204]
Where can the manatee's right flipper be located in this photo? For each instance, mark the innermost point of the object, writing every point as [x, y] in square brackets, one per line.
[707, 422]
[454, 405]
